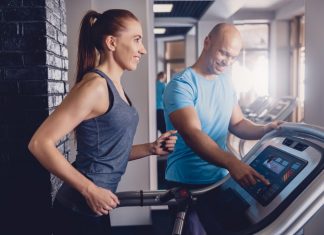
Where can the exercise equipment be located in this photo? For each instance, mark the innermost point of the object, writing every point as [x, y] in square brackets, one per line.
[292, 158]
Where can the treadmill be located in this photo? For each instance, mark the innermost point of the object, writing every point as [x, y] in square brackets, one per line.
[262, 111]
[257, 107]
[278, 109]
[292, 158]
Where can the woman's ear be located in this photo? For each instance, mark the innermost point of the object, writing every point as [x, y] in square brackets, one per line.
[110, 42]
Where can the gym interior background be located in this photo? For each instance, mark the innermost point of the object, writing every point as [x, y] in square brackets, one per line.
[37, 68]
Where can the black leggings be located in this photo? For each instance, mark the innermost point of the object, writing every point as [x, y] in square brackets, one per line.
[68, 222]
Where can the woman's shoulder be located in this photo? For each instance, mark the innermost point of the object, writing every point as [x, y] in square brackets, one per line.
[91, 84]
[91, 80]
[90, 93]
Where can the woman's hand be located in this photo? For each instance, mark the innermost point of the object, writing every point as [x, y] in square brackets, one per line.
[164, 144]
[100, 200]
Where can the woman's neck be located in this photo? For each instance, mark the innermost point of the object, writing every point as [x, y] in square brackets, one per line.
[113, 71]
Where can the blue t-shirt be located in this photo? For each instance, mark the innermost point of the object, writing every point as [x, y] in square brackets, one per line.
[160, 86]
[213, 101]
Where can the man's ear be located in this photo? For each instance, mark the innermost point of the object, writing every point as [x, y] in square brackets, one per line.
[110, 42]
[207, 41]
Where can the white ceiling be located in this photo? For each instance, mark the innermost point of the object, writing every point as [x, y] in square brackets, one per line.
[264, 4]
[223, 9]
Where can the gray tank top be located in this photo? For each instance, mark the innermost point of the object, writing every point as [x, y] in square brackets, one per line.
[103, 148]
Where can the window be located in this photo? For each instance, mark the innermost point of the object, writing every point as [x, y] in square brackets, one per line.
[250, 72]
[174, 57]
[297, 45]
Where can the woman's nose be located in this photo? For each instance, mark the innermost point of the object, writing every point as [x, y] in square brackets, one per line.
[143, 50]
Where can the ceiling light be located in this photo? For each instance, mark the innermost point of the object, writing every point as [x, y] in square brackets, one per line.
[159, 30]
[161, 8]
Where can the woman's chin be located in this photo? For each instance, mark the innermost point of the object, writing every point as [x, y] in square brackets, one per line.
[131, 68]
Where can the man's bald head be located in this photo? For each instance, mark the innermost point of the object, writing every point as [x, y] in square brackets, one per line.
[224, 31]
[221, 47]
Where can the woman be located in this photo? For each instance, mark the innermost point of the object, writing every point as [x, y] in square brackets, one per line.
[104, 121]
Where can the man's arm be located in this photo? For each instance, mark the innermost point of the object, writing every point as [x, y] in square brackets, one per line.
[187, 122]
[246, 129]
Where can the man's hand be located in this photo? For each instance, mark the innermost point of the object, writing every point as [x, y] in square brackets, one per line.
[272, 126]
[244, 174]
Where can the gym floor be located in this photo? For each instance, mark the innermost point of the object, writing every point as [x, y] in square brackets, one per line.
[161, 225]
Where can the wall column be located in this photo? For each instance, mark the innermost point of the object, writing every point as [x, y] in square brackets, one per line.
[33, 81]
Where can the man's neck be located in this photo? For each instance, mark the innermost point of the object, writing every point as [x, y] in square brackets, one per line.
[200, 69]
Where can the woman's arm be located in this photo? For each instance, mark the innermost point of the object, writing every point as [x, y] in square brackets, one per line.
[162, 146]
[80, 104]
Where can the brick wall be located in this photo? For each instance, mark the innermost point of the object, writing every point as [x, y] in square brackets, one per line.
[33, 81]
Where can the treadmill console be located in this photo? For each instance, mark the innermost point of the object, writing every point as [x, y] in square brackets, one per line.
[288, 162]
[279, 168]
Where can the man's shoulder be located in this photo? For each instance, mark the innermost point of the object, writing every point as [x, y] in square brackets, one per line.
[183, 81]
[185, 76]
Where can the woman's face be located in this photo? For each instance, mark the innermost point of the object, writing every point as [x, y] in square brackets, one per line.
[129, 46]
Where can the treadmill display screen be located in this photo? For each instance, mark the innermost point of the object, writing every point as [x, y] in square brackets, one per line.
[273, 165]
[279, 167]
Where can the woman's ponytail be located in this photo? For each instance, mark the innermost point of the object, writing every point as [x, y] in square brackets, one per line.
[86, 48]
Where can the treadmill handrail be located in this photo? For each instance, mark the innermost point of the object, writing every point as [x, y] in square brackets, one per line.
[287, 129]
[127, 198]
[241, 148]
[303, 128]
[197, 192]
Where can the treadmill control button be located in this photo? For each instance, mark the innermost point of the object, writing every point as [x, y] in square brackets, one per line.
[287, 142]
[295, 166]
[285, 163]
[301, 147]
[260, 191]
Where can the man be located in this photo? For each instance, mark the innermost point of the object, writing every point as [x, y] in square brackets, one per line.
[201, 104]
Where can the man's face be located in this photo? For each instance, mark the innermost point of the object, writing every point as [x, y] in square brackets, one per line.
[222, 53]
